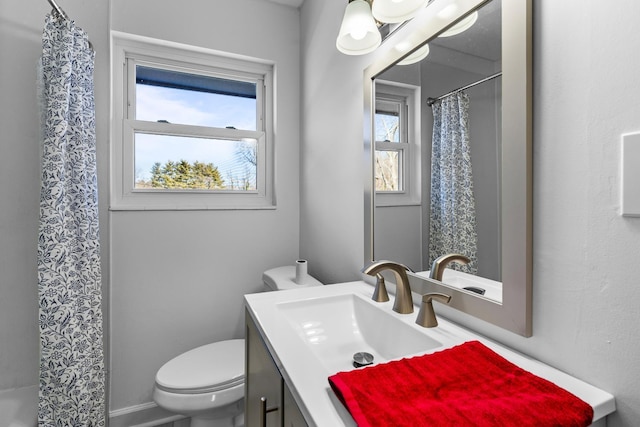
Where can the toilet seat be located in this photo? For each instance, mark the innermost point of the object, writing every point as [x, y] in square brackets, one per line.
[210, 368]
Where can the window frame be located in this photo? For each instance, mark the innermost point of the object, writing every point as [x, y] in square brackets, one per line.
[129, 51]
[408, 97]
[401, 147]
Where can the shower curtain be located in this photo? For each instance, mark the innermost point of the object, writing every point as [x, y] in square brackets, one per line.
[69, 275]
[452, 226]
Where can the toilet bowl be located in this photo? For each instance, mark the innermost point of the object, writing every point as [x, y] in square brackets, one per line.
[207, 383]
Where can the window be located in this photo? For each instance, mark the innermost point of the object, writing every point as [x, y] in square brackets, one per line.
[391, 143]
[191, 129]
[397, 134]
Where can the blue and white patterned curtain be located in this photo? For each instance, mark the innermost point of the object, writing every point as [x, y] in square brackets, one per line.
[452, 226]
[69, 276]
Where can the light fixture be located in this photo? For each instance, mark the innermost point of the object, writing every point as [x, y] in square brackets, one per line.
[416, 56]
[359, 32]
[396, 11]
[461, 26]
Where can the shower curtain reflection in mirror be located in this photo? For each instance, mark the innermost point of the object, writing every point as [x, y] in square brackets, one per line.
[452, 206]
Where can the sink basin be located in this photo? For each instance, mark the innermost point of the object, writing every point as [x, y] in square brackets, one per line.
[335, 328]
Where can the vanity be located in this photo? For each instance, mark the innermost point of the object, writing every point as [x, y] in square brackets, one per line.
[268, 399]
[296, 339]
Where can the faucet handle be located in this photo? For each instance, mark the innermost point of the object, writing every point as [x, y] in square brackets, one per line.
[427, 316]
[380, 293]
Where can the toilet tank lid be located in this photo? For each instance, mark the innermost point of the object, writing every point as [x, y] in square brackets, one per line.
[211, 367]
[282, 278]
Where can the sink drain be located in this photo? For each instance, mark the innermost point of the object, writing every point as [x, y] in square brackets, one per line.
[362, 358]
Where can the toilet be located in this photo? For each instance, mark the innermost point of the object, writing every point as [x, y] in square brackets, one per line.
[207, 383]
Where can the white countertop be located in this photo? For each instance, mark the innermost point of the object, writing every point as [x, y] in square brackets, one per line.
[307, 377]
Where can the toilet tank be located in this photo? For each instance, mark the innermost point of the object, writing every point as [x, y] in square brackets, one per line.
[288, 277]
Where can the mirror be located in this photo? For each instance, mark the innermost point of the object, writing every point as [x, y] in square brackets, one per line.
[403, 228]
[397, 205]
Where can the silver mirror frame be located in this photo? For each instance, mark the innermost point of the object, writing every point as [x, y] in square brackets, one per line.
[514, 313]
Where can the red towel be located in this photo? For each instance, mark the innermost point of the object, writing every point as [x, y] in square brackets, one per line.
[467, 385]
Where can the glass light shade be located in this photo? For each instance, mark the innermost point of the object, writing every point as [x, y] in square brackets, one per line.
[416, 56]
[395, 11]
[447, 12]
[461, 26]
[359, 33]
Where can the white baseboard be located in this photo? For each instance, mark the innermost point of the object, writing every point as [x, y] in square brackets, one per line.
[144, 415]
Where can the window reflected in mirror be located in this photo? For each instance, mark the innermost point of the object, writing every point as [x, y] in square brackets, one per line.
[390, 146]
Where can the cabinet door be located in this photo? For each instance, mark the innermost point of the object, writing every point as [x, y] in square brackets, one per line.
[292, 415]
[263, 385]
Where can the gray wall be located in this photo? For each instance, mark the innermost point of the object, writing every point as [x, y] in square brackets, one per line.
[586, 292]
[178, 277]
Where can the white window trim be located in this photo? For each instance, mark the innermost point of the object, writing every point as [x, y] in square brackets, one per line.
[123, 196]
[410, 194]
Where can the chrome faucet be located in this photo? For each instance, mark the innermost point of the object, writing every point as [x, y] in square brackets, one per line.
[440, 263]
[403, 303]
[427, 316]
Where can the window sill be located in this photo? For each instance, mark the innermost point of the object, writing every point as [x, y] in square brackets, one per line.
[172, 201]
[187, 208]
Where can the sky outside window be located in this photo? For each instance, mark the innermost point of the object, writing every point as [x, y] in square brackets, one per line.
[198, 107]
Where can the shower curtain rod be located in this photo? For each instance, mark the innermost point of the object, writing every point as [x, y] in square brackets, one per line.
[431, 101]
[58, 9]
[62, 14]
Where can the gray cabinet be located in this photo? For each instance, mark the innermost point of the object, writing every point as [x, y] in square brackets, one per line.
[268, 401]
[292, 415]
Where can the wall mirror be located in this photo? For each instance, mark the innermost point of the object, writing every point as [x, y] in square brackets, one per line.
[491, 61]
